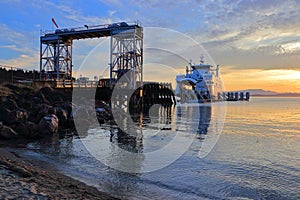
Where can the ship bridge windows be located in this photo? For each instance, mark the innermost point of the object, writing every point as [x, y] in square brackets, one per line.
[208, 76]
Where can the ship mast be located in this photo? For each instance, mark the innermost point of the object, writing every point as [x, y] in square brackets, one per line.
[201, 59]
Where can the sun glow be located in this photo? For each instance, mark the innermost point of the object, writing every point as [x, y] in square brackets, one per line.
[289, 75]
[279, 80]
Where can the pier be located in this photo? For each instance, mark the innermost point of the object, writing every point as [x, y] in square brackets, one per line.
[235, 96]
[126, 64]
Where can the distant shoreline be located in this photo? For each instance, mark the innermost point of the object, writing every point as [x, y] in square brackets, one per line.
[268, 93]
[278, 95]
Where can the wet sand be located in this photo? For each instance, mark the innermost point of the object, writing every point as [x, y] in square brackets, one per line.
[24, 179]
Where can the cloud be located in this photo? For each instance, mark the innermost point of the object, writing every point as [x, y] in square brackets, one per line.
[8, 47]
[8, 34]
[112, 12]
[22, 44]
[77, 16]
[29, 61]
[112, 2]
[291, 46]
[247, 24]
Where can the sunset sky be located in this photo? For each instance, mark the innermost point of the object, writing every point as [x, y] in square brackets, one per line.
[256, 43]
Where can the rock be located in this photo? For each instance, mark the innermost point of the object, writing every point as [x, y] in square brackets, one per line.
[4, 114]
[49, 125]
[103, 111]
[39, 111]
[101, 120]
[46, 91]
[102, 114]
[42, 98]
[68, 107]
[51, 95]
[10, 104]
[28, 130]
[62, 116]
[13, 117]
[21, 115]
[7, 132]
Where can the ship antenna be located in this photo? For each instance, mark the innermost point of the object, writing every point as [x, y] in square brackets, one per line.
[201, 59]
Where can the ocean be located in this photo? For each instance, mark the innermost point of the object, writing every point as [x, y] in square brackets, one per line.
[237, 150]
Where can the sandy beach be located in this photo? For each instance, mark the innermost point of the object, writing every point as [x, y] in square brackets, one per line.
[23, 179]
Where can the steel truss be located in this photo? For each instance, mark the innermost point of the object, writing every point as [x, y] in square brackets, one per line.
[126, 58]
[56, 59]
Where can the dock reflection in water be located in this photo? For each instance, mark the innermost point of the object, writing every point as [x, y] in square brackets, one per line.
[153, 139]
[131, 144]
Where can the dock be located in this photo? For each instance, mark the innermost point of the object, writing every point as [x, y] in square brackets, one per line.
[235, 96]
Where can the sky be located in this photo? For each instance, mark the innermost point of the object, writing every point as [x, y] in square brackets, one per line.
[256, 43]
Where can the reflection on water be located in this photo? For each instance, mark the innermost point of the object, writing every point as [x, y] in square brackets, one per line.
[151, 140]
[204, 119]
[158, 125]
[129, 140]
[257, 156]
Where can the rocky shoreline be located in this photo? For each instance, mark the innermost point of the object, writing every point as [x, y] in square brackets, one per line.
[28, 114]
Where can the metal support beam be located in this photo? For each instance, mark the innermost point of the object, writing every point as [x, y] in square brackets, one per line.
[126, 54]
[56, 60]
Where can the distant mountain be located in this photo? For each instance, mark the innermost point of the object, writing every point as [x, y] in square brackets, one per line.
[261, 92]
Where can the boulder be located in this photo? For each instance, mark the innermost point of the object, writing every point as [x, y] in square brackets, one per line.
[28, 130]
[51, 95]
[48, 125]
[13, 117]
[39, 111]
[10, 103]
[4, 114]
[41, 97]
[21, 115]
[103, 111]
[62, 116]
[46, 91]
[7, 132]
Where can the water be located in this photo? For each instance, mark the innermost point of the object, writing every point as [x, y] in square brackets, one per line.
[257, 155]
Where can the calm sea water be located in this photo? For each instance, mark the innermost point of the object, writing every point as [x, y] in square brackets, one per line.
[257, 154]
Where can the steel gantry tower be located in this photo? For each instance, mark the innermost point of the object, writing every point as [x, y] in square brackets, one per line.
[126, 52]
[56, 58]
[127, 58]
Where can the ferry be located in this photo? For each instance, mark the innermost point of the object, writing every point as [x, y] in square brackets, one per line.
[201, 83]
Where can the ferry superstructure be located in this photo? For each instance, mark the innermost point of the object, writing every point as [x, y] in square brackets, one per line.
[201, 83]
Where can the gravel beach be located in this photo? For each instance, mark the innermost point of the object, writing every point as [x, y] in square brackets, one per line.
[23, 179]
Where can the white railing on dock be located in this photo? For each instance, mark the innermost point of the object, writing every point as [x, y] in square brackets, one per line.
[77, 84]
